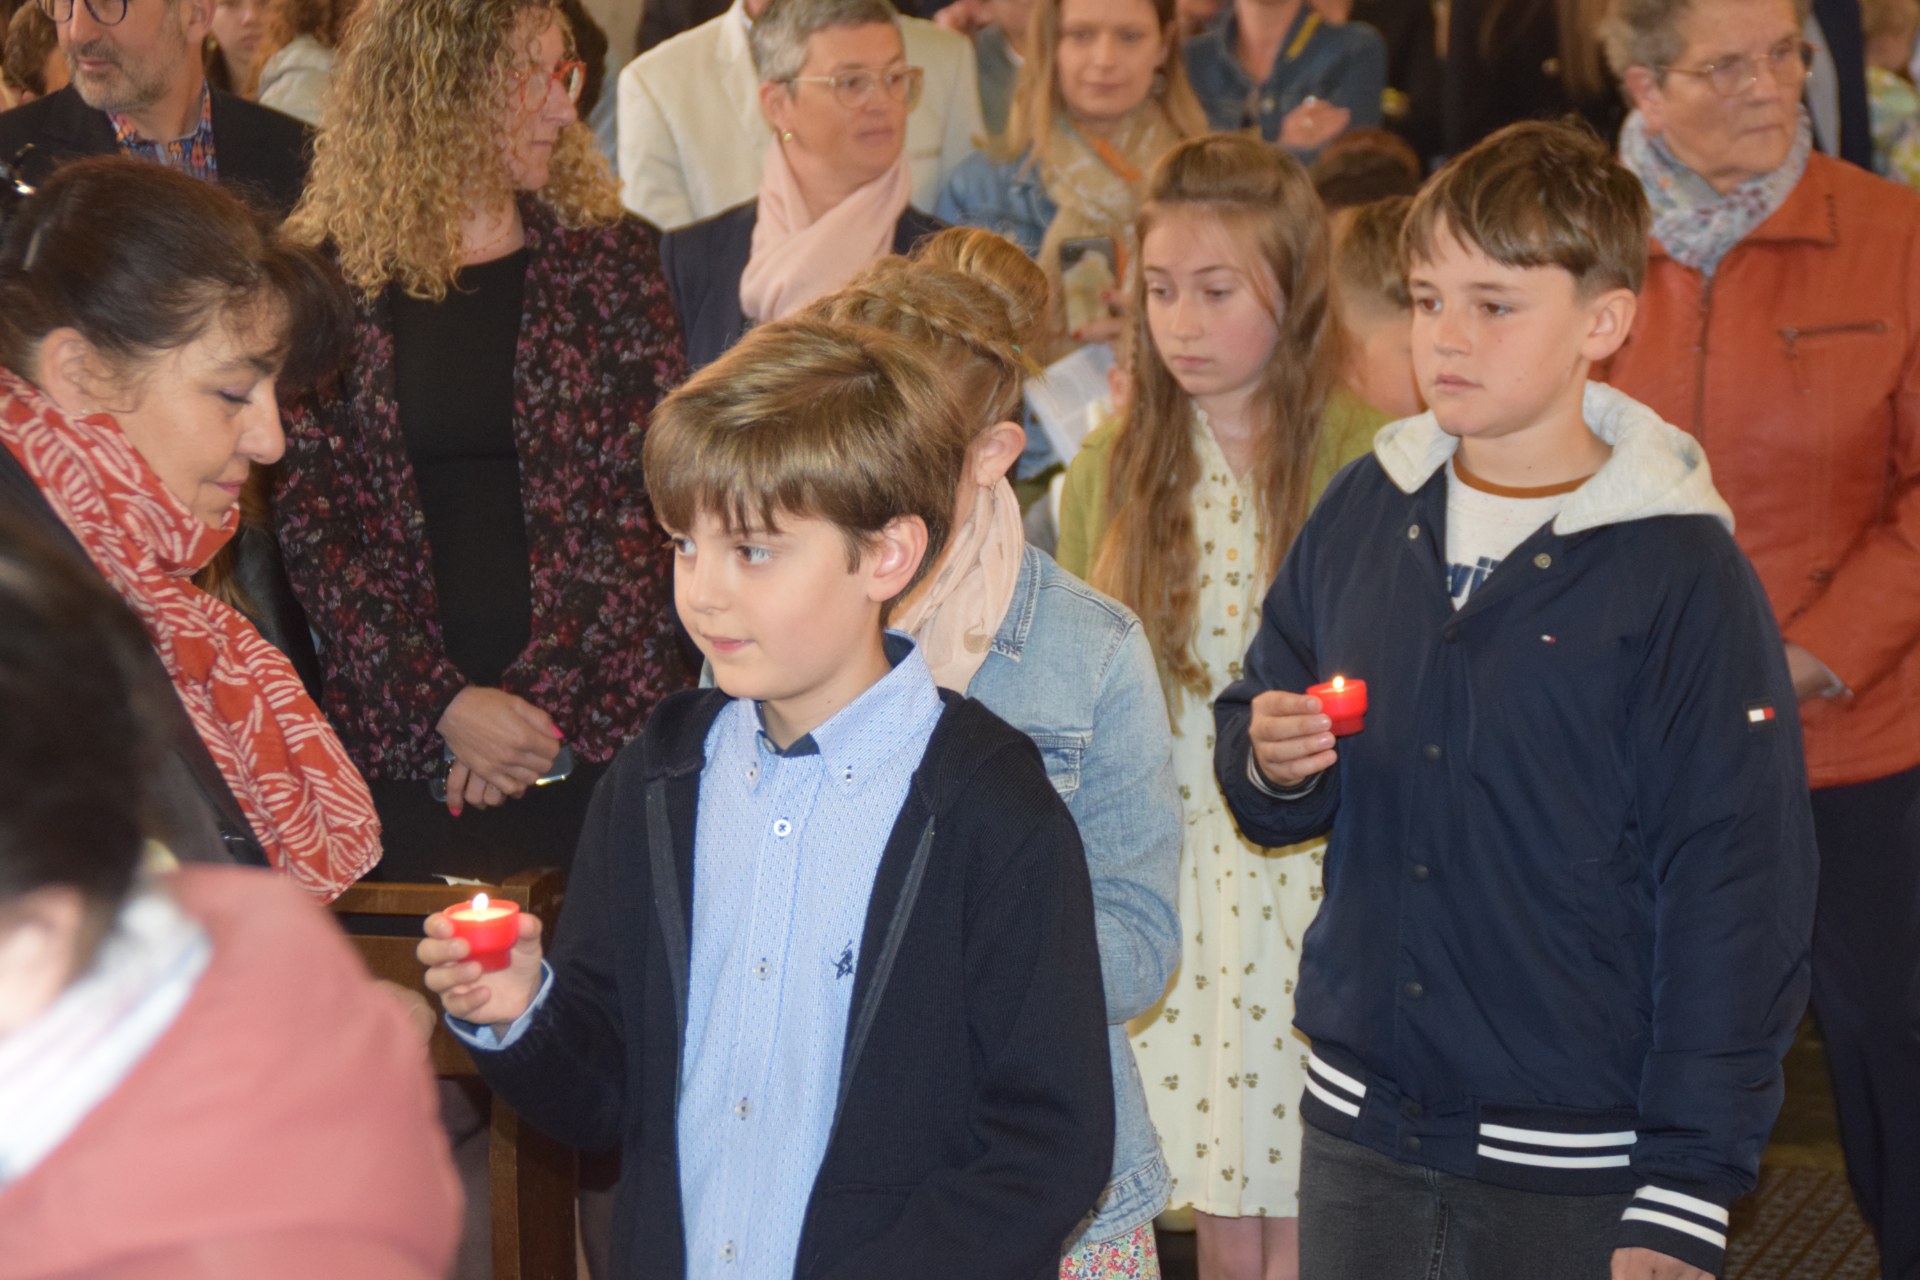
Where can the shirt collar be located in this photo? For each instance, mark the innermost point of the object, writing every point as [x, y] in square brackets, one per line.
[127, 135]
[862, 735]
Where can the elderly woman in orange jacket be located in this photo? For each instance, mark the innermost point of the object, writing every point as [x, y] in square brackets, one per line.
[1780, 325]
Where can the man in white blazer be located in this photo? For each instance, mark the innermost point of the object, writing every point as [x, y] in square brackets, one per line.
[692, 136]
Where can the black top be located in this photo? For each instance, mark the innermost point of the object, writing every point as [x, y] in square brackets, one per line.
[974, 1127]
[262, 155]
[453, 368]
[704, 262]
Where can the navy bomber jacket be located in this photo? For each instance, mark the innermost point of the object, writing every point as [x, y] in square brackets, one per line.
[1570, 881]
[974, 1127]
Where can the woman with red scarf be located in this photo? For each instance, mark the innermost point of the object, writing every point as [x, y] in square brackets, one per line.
[144, 320]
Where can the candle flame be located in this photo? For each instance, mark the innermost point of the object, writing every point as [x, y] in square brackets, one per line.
[479, 902]
[1339, 683]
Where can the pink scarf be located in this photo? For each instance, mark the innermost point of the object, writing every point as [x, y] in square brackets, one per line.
[303, 797]
[794, 260]
[958, 610]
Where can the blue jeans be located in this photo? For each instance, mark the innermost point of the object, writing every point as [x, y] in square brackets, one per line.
[1366, 1216]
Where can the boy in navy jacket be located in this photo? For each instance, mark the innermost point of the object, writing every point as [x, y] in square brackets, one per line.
[826, 973]
[1564, 942]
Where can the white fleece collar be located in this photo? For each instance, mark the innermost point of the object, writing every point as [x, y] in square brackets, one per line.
[1656, 469]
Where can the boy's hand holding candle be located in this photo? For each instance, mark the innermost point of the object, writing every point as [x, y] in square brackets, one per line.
[1291, 736]
[483, 959]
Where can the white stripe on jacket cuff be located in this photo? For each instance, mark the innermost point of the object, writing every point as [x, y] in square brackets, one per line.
[1265, 788]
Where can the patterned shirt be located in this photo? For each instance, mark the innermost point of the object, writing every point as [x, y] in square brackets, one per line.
[785, 853]
[192, 155]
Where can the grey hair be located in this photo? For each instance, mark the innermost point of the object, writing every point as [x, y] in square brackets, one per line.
[779, 35]
[1646, 33]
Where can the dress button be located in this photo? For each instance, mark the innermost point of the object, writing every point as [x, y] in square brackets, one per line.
[1413, 1111]
[1414, 990]
[1431, 751]
[1410, 1143]
[1413, 531]
[1543, 561]
[782, 828]
[1420, 871]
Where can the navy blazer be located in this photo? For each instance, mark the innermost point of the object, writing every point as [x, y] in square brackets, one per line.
[262, 155]
[704, 263]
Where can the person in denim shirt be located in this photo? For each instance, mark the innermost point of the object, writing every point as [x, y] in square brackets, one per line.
[1000, 621]
[1321, 80]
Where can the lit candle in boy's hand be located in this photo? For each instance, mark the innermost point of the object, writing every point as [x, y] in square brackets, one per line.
[1345, 703]
[490, 928]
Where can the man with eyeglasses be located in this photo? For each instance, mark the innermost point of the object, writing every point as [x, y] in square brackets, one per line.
[138, 88]
[692, 135]
[1778, 324]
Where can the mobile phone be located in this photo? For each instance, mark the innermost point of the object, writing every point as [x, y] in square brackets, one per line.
[560, 771]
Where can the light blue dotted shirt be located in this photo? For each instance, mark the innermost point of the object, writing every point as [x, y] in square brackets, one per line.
[785, 853]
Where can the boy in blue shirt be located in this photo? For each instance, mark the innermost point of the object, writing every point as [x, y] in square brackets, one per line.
[1564, 942]
[826, 971]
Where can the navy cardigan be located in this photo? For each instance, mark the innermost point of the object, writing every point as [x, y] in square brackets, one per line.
[974, 1128]
[704, 263]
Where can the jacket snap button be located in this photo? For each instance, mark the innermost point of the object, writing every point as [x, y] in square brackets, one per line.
[1543, 561]
[1413, 531]
[1420, 871]
[1431, 751]
[1413, 990]
[1410, 1143]
[1413, 1111]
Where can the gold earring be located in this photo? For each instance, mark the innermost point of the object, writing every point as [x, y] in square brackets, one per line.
[786, 135]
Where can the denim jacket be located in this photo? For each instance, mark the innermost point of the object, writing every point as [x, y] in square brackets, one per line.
[1071, 669]
[1342, 64]
[1004, 196]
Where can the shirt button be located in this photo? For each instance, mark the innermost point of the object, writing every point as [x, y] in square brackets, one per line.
[1413, 990]
[1413, 531]
[1266, 104]
[782, 828]
[726, 1252]
[761, 970]
[741, 1109]
[1420, 871]
[1543, 561]
[1431, 751]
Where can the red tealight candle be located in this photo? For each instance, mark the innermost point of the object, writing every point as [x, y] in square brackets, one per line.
[1345, 702]
[490, 928]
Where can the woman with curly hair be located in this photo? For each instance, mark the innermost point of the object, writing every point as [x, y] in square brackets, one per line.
[463, 515]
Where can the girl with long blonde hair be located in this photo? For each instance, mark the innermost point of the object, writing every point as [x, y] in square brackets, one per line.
[999, 621]
[1183, 511]
[1102, 95]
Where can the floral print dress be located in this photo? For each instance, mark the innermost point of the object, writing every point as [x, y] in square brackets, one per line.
[1223, 1066]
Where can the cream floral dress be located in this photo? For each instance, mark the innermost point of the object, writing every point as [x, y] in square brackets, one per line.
[1223, 1066]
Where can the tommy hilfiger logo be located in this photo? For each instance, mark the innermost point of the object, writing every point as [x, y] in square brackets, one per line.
[1760, 715]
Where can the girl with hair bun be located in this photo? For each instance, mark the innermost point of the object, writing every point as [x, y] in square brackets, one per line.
[1183, 511]
[999, 621]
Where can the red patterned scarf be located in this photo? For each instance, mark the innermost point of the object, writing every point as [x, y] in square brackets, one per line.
[306, 802]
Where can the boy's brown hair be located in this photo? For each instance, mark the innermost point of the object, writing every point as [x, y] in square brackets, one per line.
[1367, 270]
[28, 39]
[1539, 194]
[817, 420]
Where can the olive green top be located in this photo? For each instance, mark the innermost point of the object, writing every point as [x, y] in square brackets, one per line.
[1346, 432]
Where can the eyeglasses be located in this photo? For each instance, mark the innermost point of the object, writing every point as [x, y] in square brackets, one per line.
[1787, 61]
[105, 12]
[853, 88]
[570, 77]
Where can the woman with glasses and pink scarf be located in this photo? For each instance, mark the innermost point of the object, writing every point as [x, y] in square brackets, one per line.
[835, 88]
